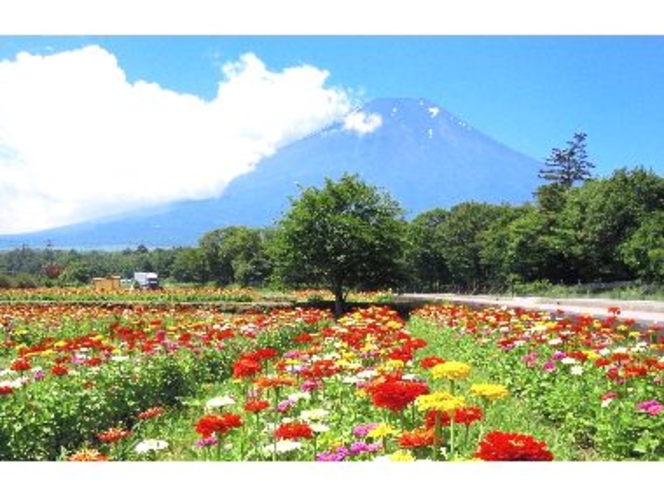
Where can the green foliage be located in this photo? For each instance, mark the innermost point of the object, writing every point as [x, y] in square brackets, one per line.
[346, 235]
[426, 251]
[236, 255]
[643, 251]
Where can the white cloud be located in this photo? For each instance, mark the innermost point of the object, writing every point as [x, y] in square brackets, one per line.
[78, 141]
[361, 123]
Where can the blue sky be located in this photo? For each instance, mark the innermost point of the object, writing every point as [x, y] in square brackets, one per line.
[531, 93]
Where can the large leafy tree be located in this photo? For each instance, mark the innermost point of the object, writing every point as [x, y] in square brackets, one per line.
[462, 235]
[236, 255]
[566, 166]
[426, 254]
[345, 235]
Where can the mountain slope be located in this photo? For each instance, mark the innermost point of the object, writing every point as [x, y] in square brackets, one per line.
[424, 156]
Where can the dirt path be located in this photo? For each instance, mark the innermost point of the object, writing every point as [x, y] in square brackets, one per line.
[648, 313]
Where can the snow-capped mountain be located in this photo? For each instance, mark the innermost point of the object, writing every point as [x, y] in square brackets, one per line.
[421, 154]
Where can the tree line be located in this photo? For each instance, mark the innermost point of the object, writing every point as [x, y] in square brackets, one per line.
[351, 235]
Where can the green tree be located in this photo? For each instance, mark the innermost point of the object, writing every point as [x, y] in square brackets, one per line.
[462, 234]
[643, 252]
[426, 251]
[566, 166]
[236, 255]
[190, 266]
[601, 215]
[345, 235]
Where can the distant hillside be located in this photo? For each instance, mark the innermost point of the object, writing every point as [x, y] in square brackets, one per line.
[423, 155]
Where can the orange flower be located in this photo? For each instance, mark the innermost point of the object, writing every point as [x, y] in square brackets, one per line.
[113, 435]
[256, 405]
[87, 455]
[268, 382]
[417, 438]
[153, 412]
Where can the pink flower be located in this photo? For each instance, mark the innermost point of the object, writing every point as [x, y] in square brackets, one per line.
[549, 366]
[652, 407]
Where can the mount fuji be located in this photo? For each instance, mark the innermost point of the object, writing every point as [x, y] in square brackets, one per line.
[424, 156]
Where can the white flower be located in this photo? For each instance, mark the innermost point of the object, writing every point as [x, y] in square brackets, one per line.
[604, 352]
[576, 370]
[314, 414]
[317, 427]
[282, 446]
[568, 361]
[366, 374]
[351, 379]
[555, 342]
[119, 358]
[299, 395]
[606, 402]
[151, 445]
[218, 402]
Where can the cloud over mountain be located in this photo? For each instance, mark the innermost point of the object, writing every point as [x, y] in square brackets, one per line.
[78, 141]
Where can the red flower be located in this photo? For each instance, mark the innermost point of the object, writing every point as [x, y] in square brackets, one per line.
[220, 424]
[501, 446]
[113, 435]
[59, 370]
[294, 430]
[431, 361]
[396, 394]
[303, 338]
[256, 405]
[417, 438]
[20, 365]
[265, 354]
[153, 412]
[6, 390]
[246, 367]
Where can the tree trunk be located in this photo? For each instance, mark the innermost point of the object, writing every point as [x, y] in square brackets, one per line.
[338, 302]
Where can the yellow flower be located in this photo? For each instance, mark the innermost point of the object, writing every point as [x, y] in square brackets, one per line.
[439, 401]
[381, 431]
[401, 456]
[451, 370]
[489, 391]
[391, 365]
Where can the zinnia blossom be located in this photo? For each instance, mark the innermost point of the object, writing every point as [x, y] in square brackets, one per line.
[440, 401]
[395, 395]
[254, 405]
[246, 367]
[217, 424]
[502, 446]
[113, 435]
[431, 361]
[148, 445]
[417, 438]
[489, 391]
[87, 455]
[153, 412]
[294, 430]
[454, 370]
[274, 382]
[651, 407]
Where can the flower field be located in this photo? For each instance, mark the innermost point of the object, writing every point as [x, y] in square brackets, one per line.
[153, 382]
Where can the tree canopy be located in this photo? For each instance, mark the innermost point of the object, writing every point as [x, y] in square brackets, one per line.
[345, 235]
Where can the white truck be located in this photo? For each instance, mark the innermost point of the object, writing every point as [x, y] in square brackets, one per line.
[146, 280]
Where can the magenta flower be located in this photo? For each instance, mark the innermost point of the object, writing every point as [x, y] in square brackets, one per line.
[363, 430]
[549, 366]
[652, 407]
